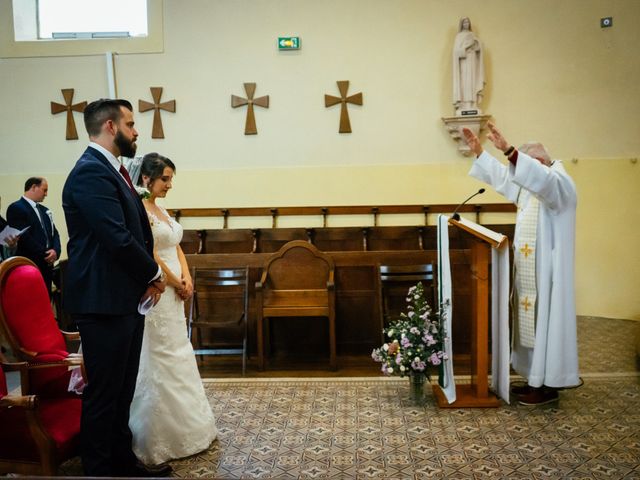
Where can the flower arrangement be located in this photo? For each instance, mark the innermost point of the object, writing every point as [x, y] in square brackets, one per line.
[414, 341]
[142, 192]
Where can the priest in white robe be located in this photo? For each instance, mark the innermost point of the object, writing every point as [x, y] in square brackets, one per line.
[544, 339]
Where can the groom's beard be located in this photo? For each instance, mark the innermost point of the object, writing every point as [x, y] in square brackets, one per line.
[127, 147]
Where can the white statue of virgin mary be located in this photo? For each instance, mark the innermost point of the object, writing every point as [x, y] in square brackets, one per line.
[468, 70]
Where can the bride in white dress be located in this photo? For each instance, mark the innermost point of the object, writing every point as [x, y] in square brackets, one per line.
[170, 415]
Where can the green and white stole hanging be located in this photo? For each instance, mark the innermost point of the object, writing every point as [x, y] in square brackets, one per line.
[525, 265]
[446, 380]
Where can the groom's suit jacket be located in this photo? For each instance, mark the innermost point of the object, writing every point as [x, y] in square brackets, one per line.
[41, 237]
[110, 245]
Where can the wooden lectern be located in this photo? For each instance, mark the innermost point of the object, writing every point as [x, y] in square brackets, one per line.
[477, 394]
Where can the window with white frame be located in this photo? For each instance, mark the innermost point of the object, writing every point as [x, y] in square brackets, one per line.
[79, 19]
[49, 28]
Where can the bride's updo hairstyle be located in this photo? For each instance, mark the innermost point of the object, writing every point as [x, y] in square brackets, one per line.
[153, 165]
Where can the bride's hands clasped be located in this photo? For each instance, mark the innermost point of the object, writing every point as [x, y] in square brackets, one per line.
[186, 290]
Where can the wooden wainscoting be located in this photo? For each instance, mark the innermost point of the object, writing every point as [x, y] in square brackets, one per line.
[358, 316]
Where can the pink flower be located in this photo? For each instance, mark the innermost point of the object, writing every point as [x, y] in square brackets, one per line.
[434, 359]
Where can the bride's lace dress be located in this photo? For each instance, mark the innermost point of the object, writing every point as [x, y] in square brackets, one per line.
[170, 415]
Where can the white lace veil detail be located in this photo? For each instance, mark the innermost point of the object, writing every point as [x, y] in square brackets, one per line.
[133, 166]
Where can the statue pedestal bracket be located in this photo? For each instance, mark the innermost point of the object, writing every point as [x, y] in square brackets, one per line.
[454, 125]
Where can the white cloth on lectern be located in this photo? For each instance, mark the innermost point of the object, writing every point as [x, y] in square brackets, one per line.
[553, 361]
[448, 384]
[500, 321]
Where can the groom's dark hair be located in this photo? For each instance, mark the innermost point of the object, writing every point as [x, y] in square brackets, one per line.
[98, 112]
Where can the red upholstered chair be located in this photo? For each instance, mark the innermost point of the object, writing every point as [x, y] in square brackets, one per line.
[36, 434]
[28, 324]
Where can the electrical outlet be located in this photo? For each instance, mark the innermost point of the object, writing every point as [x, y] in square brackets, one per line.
[606, 22]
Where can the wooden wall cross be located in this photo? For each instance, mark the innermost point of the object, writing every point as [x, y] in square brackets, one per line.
[250, 122]
[330, 101]
[69, 107]
[156, 106]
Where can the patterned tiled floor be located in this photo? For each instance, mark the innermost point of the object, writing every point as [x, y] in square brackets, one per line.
[368, 427]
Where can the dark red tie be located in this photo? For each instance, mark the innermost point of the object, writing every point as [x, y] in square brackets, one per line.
[126, 176]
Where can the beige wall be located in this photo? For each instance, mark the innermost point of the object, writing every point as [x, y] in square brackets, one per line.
[552, 74]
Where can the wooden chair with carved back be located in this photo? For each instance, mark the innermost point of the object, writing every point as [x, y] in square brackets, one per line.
[297, 281]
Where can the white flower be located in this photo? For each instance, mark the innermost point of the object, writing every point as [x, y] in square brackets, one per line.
[402, 368]
[142, 192]
[385, 347]
[390, 370]
[390, 333]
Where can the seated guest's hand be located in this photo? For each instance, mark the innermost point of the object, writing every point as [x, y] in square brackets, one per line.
[50, 256]
[11, 241]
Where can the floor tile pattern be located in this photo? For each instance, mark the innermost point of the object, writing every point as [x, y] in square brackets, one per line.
[370, 428]
[367, 428]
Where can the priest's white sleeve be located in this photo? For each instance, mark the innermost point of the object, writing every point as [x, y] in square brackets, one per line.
[551, 185]
[489, 170]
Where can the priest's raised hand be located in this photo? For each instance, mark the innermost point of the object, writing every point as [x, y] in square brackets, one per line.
[495, 136]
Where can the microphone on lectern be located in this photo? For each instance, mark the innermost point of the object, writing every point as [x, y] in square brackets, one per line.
[455, 215]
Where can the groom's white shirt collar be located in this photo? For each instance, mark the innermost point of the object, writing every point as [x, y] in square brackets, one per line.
[115, 163]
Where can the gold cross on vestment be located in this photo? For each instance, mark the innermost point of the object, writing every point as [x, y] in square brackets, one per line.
[526, 251]
[526, 304]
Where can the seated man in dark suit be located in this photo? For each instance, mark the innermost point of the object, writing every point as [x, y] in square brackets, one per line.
[41, 243]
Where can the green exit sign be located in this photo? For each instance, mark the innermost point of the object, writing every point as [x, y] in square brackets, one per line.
[288, 43]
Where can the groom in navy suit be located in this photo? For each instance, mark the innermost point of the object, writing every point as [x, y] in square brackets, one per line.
[110, 270]
[41, 243]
